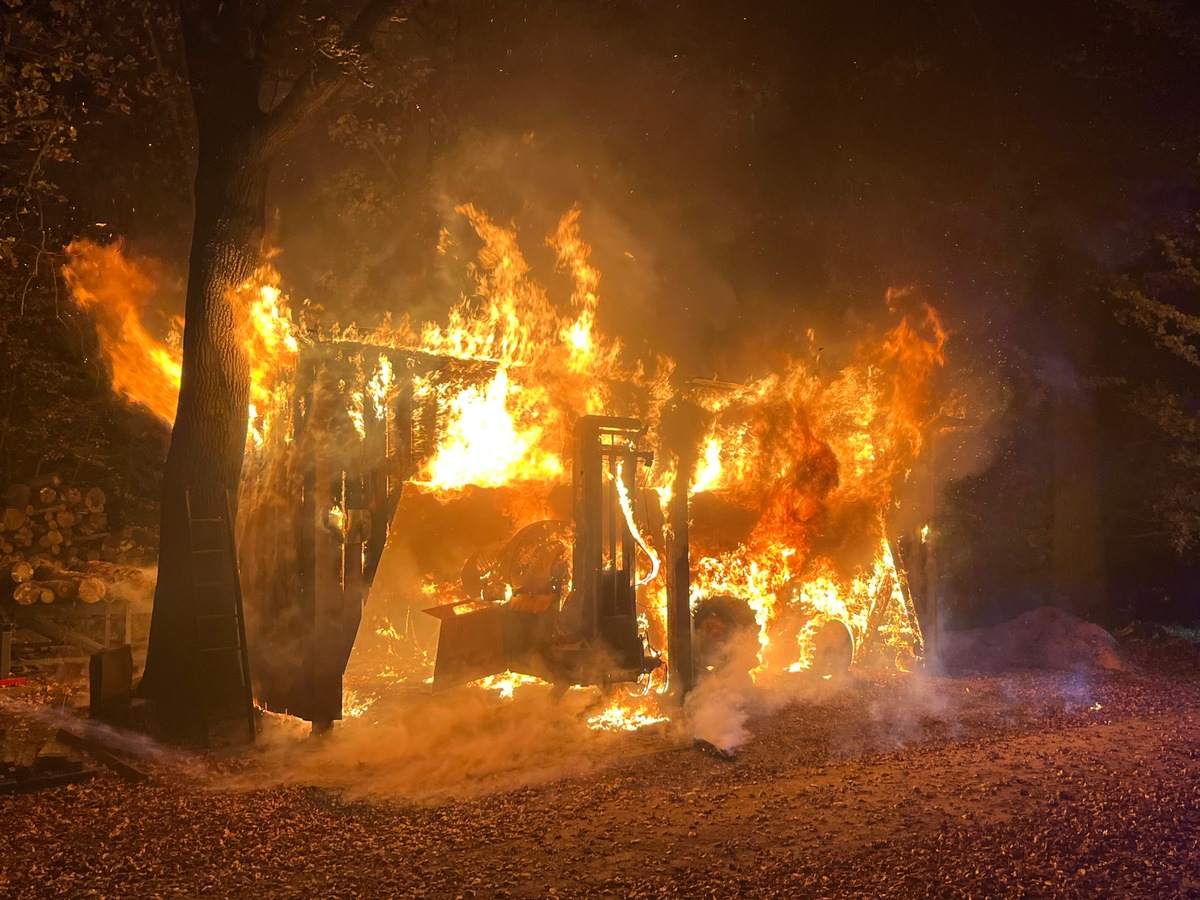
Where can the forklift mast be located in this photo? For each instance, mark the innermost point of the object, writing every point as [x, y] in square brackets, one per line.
[594, 638]
[604, 562]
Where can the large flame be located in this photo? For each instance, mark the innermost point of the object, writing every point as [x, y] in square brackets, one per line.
[807, 461]
[492, 438]
[116, 289]
[811, 458]
[551, 366]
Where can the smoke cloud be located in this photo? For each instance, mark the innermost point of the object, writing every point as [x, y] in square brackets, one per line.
[432, 748]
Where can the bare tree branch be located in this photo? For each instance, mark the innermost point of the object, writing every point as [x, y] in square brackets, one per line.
[324, 79]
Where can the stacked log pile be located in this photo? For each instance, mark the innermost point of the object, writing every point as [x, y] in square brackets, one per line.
[58, 544]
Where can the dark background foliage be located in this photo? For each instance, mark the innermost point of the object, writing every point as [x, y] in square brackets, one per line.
[746, 172]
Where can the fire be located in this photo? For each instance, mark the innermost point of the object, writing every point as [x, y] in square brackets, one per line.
[550, 367]
[506, 683]
[630, 710]
[631, 524]
[617, 716]
[809, 457]
[793, 480]
[115, 292]
[353, 706]
[491, 439]
[380, 385]
[709, 472]
[145, 368]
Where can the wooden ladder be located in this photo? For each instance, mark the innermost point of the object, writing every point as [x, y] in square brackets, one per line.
[225, 692]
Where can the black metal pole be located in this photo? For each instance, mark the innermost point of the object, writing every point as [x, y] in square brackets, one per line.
[683, 426]
[681, 662]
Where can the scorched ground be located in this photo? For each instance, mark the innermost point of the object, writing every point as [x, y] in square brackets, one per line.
[1034, 784]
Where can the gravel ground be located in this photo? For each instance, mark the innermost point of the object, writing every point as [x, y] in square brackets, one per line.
[1037, 784]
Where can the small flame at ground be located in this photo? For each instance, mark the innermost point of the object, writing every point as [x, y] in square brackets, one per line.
[507, 683]
[617, 717]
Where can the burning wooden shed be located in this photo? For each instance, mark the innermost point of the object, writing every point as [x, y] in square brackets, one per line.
[517, 469]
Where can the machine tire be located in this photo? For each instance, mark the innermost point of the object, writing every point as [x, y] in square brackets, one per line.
[833, 649]
[725, 631]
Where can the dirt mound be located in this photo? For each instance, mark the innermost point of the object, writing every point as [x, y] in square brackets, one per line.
[1045, 638]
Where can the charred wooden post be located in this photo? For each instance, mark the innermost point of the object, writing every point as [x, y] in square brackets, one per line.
[681, 660]
[922, 567]
[400, 431]
[327, 577]
[683, 426]
[301, 590]
[376, 486]
[932, 625]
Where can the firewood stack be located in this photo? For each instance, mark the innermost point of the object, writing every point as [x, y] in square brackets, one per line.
[57, 544]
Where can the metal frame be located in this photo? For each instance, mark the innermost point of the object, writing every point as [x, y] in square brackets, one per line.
[604, 571]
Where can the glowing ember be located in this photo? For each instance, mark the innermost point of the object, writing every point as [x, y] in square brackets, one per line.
[353, 706]
[507, 683]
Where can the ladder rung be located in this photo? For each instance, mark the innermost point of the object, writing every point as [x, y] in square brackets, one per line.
[213, 549]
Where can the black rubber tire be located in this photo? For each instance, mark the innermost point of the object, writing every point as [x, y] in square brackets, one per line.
[723, 627]
[833, 649]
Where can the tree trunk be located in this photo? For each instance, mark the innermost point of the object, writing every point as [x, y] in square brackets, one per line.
[224, 44]
[204, 462]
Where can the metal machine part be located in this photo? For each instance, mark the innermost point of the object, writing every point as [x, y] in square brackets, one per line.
[726, 633]
[593, 637]
[601, 613]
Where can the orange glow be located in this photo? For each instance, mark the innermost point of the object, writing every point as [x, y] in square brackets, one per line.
[488, 442]
[821, 457]
[115, 291]
[506, 683]
[628, 709]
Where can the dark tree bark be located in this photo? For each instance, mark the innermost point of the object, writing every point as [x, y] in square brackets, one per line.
[237, 139]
